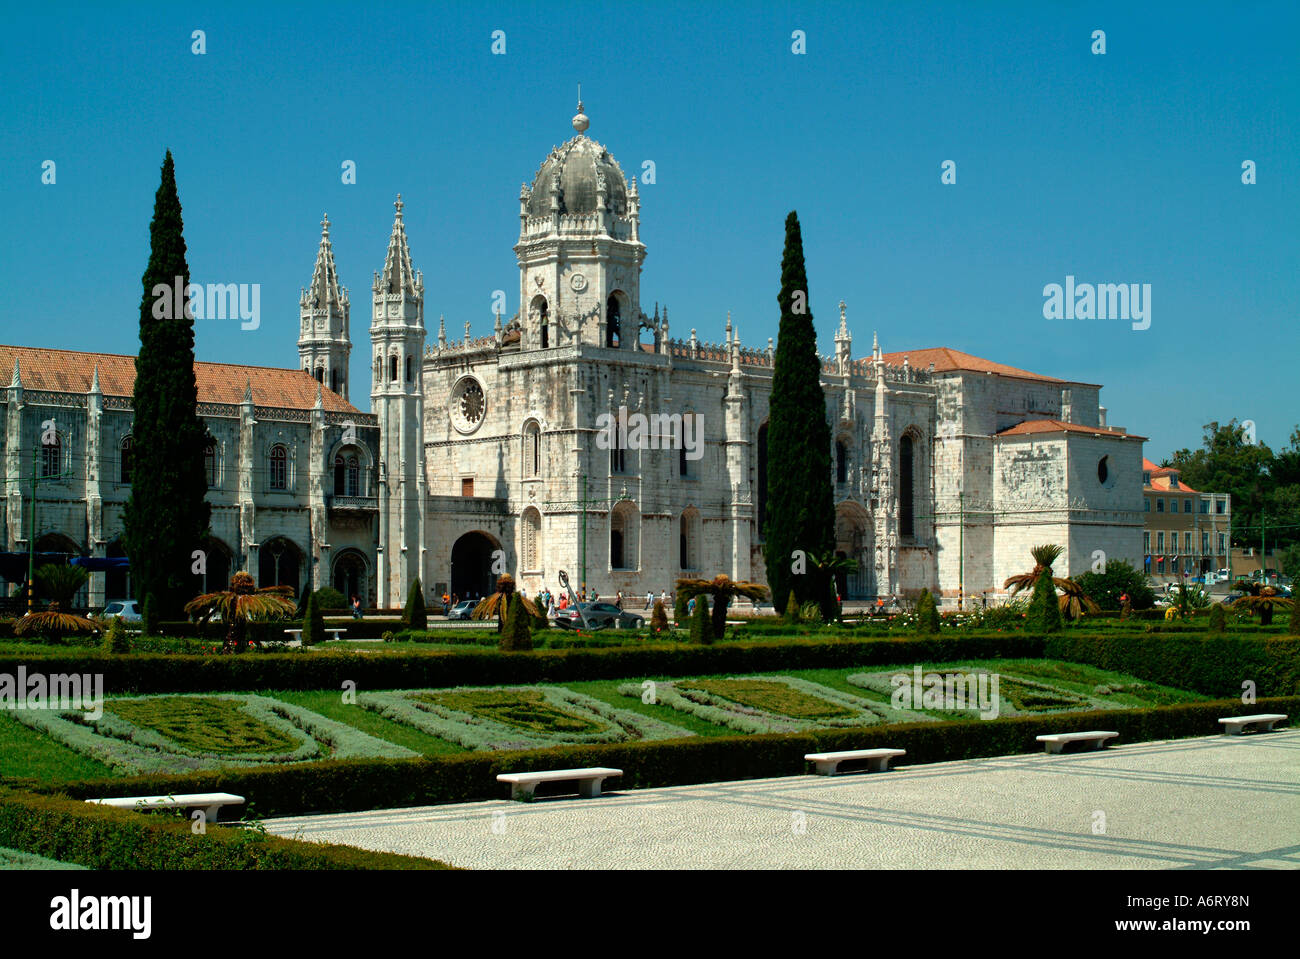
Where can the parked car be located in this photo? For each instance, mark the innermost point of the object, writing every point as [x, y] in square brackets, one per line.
[462, 609]
[599, 616]
[128, 609]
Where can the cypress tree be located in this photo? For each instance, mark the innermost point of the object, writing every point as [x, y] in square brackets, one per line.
[415, 616]
[1044, 610]
[313, 622]
[800, 512]
[1219, 622]
[166, 518]
[658, 618]
[792, 608]
[515, 633]
[701, 627]
[927, 614]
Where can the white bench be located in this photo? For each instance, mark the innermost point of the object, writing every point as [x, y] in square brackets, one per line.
[1236, 725]
[877, 759]
[211, 803]
[297, 635]
[1056, 742]
[523, 785]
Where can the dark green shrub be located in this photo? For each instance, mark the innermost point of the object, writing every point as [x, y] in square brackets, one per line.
[792, 609]
[539, 622]
[1218, 620]
[701, 626]
[313, 623]
[516, 636]
[658, 618]
[1119, 578]
[415, 616]
[927, 614]
[1044, 610]
[327, 597]
[679, 608]
[115, 638]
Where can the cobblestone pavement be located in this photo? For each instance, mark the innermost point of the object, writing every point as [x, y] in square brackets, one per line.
[1208, 803]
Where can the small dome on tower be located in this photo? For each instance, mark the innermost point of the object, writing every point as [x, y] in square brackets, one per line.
[581, 164]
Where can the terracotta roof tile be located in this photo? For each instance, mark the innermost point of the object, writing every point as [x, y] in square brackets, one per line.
[946, 360]
[1030, 427]
[68, 371]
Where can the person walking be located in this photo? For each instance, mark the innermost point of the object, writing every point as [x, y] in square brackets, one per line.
[356, 606]
[618, 600]
[649, 598]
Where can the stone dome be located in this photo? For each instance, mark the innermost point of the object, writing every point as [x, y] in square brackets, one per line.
[580, 162]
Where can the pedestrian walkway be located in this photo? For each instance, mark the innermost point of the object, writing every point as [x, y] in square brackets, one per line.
[1206, 803]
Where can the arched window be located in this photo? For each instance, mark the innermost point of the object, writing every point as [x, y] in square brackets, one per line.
[689, 540]
[623, 528]
[347, 472]
[617, 454]
[124, 463]
[613, 321]
[334, 380]
[52, 457]
[379, 369]
[841, 462]
[279, 467]
[529, 536]
[542, 317]
[392, 369]
[210, 464]
[906, 511]
[532, 451]
[320, 375]
[409, 368]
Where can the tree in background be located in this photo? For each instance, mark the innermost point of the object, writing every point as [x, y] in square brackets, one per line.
[1044, 611]
[1118, 578]
[722, 589]
[240, 605]
[498, 604]
[658, 618]
[166, 518]
[58, 584]
[516, 631]
[701, 631]
[115, 639]
[800, 511]
[1218, 619]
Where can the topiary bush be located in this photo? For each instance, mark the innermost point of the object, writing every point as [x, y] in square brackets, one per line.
[516, 636]
[1218, 619]
[658, 618]
[701, 626]
[313, 623]
[927, 614]
[415, 616]
[115, 638]
[679, 608]
[327, 597]
[539, 622]
[792, 608]
[1044, 610]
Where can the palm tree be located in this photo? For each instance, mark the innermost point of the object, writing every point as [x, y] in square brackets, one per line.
[241, 604]
[722, 589]
[1261, 599]
[499, 602]
[1072, 601]
[829, 566]
[59, 584]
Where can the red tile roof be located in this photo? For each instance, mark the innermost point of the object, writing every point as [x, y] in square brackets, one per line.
[68, 371]
[946, 359]
[1030, 427]
[1160, 476]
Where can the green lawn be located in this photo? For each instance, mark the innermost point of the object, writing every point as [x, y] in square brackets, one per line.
[329, 703]
[25, 752]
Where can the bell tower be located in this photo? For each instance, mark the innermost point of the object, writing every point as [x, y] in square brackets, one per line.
[324, 340]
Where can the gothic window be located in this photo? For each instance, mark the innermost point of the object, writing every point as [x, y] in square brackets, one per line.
[409, 366]
[379, 369]
[906, 487]
[392, 369]
[210, 464]
[689, 539]
[532, 450]
[52, 457]
[623, 536]
[841, 462]
[347, 473]
[124, 475]
[320, 375]
[613, 320]
[617, 454]
[683, 464]
[542, 314]
[529, 537]
[279, 467]
[334, 380]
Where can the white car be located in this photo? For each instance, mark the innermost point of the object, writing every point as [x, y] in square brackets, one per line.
[128, 609]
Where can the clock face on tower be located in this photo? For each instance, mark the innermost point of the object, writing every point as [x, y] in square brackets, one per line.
[468, 404]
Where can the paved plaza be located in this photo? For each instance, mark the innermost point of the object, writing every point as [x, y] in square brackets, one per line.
[1207, 803]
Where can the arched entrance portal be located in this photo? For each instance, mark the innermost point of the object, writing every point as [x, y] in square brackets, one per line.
[350, 575]
[471, 565]
[853, 541]
[278, 564]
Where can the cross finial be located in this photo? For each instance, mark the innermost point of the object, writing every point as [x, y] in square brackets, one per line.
[325, 225]
[398, 203]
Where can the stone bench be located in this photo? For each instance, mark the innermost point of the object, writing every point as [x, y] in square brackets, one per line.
[1237, 725]
[1056, 742]
[523, 785]
[297, 635]
[828, 764]
[210, 803]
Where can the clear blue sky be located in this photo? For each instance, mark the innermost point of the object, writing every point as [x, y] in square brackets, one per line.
[1120, 168]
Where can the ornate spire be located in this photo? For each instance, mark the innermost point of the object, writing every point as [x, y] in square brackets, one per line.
[442, 332]
[248, 391]
[581, 121]
[844, 323]
[94, 380]
[17, 378]
[325, 291]
[398, 275]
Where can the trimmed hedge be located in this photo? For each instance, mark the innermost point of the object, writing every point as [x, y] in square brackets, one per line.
[352, 785]
[1215, 665]
[328, 669]
[101, 837]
